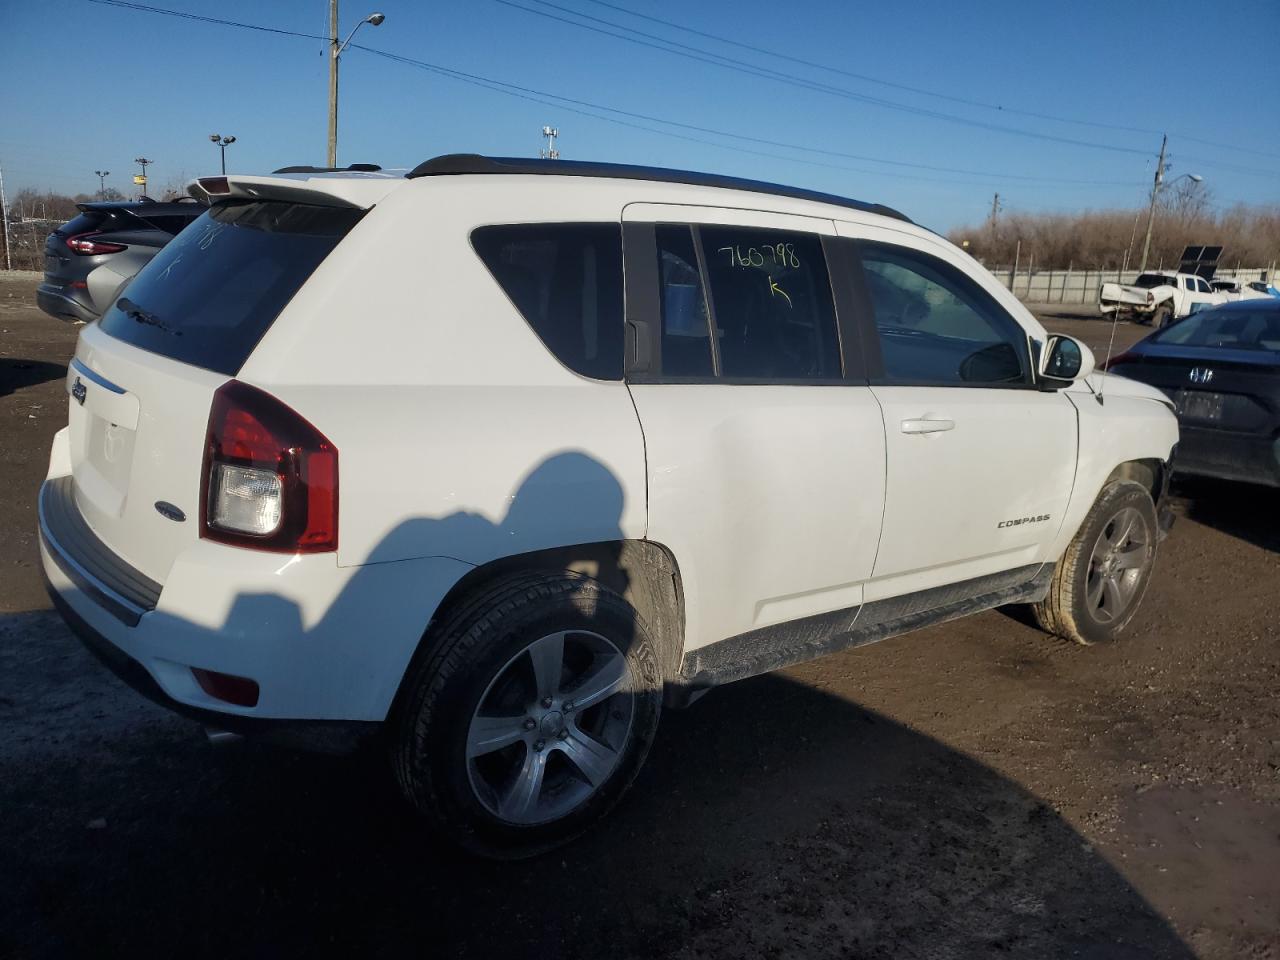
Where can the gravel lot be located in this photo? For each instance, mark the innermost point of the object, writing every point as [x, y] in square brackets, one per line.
[971, 790]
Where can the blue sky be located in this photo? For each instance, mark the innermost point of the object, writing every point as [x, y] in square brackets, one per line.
[85, 86]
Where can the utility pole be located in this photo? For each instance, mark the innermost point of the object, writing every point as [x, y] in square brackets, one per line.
[551, 153]
[333, 83]
[102, 183]
[995, 211]
[1151, 213]
[335, 53]
[4, 212]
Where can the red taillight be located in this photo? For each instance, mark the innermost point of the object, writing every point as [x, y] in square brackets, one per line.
[270, 479]
[86, 245]
[226, 687]
[1127, 357]
[1151, 297]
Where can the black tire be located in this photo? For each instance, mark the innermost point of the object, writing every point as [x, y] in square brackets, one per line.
[1068, 611]
[480, 639]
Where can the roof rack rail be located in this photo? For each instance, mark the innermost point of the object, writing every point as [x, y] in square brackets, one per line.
[351, 168]
[463, 163]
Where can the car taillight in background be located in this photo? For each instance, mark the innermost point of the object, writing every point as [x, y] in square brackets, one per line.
[1151, 298]
[270, 479]
[1127, 357]
[86, 245]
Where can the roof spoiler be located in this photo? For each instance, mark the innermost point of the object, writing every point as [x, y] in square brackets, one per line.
[292, 189]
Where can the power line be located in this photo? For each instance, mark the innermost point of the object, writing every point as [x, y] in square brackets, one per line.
[912, 89]
[146, 8]
[715, 59]
[529, 92]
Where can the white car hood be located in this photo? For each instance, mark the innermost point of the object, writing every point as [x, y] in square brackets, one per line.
[1114, 385]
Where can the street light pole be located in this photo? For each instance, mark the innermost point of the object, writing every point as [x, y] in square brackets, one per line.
[102, 183]
[223, 143]
[335, 52]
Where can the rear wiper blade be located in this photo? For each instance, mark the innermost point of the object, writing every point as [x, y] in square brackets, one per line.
[136, 313]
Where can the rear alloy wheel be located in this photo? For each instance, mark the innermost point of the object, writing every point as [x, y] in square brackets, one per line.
[528, 714]
[550, 728]
[1100, 581]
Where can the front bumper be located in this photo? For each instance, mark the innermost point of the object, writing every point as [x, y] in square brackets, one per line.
[326, 644]
[58, 301]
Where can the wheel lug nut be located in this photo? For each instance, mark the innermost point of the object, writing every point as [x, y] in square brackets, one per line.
[568, 706]
[563, 734]
[546, 702]
[539, 744]
[528, 723]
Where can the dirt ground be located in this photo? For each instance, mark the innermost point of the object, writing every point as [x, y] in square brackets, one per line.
[971, 790]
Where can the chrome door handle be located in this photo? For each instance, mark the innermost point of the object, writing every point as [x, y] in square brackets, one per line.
[927, 425]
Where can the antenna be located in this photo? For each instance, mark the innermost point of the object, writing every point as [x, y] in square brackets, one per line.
[550, 153]
[1115, 319]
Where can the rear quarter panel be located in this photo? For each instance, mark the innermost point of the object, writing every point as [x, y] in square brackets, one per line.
[459, 434]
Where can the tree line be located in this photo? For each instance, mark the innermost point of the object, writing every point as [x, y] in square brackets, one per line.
[1108, 239]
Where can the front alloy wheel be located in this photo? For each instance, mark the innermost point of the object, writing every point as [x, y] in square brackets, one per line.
[1121, 557]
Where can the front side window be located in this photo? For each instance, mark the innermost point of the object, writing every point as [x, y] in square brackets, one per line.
[771, 303]
[937, 326]
[566, 280]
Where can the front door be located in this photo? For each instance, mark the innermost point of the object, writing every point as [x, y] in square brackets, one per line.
[980, 461]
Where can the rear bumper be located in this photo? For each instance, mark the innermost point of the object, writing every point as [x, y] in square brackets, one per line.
[1248, 458]
[325, 644]
[58, 301]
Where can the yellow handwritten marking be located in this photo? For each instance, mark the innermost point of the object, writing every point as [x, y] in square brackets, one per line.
[778, 291]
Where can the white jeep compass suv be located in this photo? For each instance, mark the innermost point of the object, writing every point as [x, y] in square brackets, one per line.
[497, 458]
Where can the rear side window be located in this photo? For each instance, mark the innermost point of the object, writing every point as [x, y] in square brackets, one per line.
[566, 280]
[686, 330]
[209, 296]
[771, 304]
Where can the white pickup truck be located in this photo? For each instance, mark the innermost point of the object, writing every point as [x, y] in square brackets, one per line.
[1158, 297]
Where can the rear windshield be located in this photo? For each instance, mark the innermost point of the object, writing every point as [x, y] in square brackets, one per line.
[90, 220]
[1149, 281]
[208, 297]
[1230, 329]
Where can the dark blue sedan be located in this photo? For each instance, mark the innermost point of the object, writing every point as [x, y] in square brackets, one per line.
[1221, 368]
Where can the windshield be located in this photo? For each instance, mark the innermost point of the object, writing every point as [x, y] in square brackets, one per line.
[209, 296]
[1149, 281]
[1229, 329]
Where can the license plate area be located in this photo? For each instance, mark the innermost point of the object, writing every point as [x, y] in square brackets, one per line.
[1200, 406]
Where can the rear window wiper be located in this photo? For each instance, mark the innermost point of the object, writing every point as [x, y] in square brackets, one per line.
[136, 313]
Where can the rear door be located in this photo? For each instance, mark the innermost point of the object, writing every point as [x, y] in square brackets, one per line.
[980, 461]
[143, 377]
[764, 446]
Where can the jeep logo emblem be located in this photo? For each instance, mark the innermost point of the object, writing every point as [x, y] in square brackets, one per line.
[78, 391]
